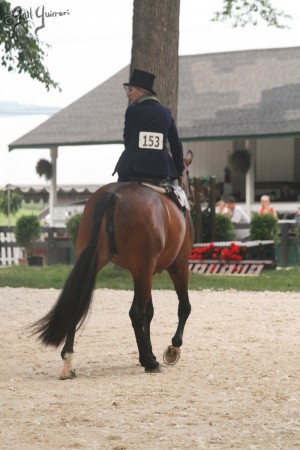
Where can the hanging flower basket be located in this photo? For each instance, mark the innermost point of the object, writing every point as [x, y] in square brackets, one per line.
[240, 161]
[44, 168]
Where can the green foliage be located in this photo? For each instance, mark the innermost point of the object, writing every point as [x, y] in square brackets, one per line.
[264, 227]
[12, 205]
[27, 231]
[225, 230]
[298, 232]
[206, 227]
[72, 226]
[244, 12]
[240, 161]
[21, 49]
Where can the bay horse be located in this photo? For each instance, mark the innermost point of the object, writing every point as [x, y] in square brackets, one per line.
[136, 228]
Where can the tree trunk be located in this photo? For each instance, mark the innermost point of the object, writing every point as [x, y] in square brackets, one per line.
[155, 40]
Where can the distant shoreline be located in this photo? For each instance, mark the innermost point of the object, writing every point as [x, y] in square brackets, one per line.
[8, 109]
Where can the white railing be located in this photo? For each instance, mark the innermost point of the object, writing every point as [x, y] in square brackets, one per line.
[54, 245]
[9, 255]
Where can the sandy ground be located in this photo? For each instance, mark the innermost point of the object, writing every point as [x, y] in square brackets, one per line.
[236, 386]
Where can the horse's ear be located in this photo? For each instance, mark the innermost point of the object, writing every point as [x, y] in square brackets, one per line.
[188, 158]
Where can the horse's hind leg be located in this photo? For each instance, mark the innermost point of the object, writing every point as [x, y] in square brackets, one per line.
[148, 318]
[67, 352]
[141, 313]
[180, 281]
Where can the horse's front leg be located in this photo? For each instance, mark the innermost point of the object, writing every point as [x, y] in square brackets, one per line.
[141, 313]
[68, 373]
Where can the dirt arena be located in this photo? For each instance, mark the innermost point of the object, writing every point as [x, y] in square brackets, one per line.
[236, 386]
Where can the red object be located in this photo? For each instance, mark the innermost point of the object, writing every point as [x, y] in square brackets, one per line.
[231, 253]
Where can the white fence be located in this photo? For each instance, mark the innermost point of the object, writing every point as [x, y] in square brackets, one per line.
[54, 245]
[9, 254]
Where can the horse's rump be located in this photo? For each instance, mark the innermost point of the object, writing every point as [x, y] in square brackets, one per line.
[147, 227]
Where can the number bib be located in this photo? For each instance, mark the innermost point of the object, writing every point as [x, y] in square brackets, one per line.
[151, 140]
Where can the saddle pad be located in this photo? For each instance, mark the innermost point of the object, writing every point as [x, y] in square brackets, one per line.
[176, 193]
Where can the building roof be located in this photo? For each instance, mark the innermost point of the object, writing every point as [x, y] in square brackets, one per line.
[37, 192]
[252, 93]
[240, 94]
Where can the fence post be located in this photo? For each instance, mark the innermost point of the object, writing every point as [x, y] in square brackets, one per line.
[212, 201]
[198, 211]
[284, 243]
[51, 245]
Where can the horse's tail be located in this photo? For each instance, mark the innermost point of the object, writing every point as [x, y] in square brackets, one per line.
[73, 304]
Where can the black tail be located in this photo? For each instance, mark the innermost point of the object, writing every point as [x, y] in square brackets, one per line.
[74, 301]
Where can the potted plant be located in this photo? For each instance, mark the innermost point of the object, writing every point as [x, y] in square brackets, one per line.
[264, 227]
[240, 161]
[44, 168]
[27, 232]
[225, 230]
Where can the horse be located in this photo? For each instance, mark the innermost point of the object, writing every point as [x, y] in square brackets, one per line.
[138, 229]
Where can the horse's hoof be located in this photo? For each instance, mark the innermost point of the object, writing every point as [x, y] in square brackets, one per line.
[157, 369]
[171, 355]
[70, 375]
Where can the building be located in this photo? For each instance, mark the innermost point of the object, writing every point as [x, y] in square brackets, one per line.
[227, 101]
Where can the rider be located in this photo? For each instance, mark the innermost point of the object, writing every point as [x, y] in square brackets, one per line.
[148, 127]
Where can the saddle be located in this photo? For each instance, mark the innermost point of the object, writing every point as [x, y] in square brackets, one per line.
[170, 188]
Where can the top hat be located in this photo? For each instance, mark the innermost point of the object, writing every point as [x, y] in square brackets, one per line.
[142, 79]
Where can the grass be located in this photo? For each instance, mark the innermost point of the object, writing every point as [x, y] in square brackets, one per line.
[110, 277]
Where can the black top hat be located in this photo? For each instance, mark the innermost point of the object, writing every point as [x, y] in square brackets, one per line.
[142, 79]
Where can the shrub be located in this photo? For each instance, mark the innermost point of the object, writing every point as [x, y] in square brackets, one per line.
[27, 231]
[72, 226]
[264, 227]
[225, 230]
[298, 232]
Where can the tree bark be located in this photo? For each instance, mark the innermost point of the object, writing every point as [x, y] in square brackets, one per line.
[155, 40]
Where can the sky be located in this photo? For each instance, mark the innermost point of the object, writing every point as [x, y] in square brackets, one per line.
[89, 44]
